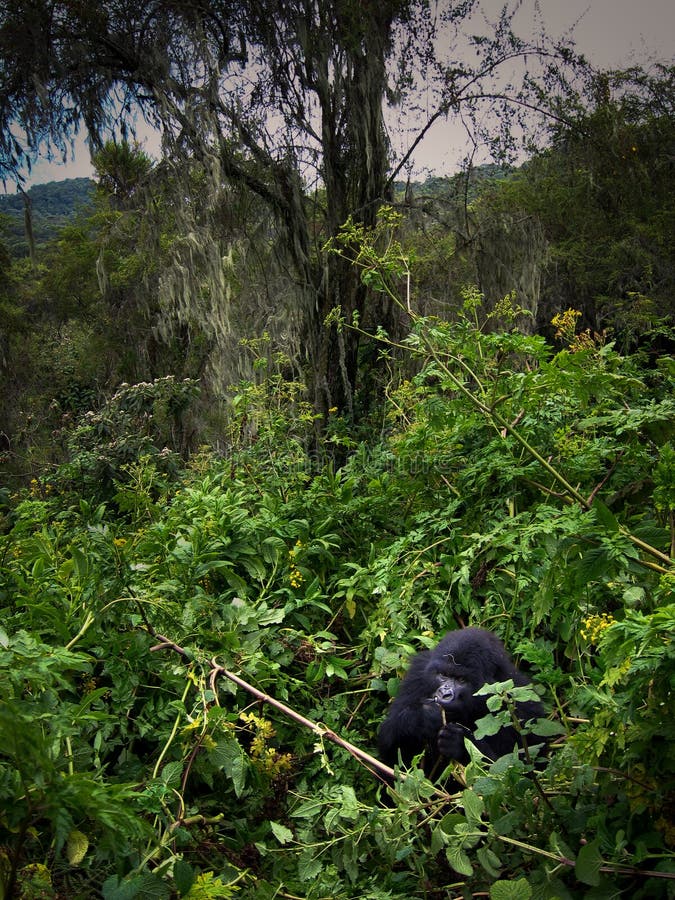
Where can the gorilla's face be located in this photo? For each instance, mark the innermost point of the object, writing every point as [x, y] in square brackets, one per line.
[454, 684]
[450, 691]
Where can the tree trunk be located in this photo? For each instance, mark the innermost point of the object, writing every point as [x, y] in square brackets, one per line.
[354, 171]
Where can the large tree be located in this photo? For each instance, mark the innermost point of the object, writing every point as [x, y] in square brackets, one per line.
[284, 98]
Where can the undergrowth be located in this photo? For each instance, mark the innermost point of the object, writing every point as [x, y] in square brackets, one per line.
[517, 486]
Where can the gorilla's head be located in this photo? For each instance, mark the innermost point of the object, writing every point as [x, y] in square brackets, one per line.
[461, 664]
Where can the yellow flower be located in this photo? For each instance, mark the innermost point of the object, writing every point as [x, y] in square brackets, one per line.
[566, 324]
[595, 625]
[296, 578]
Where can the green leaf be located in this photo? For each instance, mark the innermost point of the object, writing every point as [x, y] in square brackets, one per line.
[439, 839]
[171, 773]
[308, 810]
[229, 755]
[76, 847]
[473, 806]
[309, 866]
[587, 867]
[507, 824]
[273, 549]
[254, 567]
[236, 582]
[593, 565]
[634, 596]
[604, 517]
[546, 728]
[145, 886]
[458, 859]
[63, 825]
[470, 834]
[489, 861]
[183, 876]
[511, 890]
[271, 616]
[283, 834]
[489, 725]
[559, 846]
[450, 820]
[80, 563]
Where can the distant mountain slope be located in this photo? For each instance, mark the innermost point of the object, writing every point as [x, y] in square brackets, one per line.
[55, 204]
[52, 206]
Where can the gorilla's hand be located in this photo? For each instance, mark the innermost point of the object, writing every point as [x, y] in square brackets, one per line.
[451, 741]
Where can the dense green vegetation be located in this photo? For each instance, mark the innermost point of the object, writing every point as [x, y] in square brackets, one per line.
[511, 484]
[272, 420]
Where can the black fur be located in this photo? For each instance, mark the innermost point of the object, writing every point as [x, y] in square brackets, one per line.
[446, 678]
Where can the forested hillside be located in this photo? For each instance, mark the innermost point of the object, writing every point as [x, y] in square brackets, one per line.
[274, 419]
[50, 207]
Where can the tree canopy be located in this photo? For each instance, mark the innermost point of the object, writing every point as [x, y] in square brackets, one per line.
[284, 99]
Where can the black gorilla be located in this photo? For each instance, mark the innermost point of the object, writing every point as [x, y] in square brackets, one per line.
[436, 708]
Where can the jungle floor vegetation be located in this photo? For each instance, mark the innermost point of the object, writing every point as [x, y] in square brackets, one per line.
[524, 486]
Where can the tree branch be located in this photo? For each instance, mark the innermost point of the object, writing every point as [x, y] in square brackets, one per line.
[371, 762]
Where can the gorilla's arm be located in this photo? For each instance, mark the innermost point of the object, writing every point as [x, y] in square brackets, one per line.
[414, 720]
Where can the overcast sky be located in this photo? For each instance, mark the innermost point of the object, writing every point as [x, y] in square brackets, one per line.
[610, 33]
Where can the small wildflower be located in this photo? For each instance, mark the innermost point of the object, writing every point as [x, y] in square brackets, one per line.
[566, 324]
[295, 577]
[594, 626]
[119, 542]
[583, 341]
[193, 725]
[263, 726]
[265, 758]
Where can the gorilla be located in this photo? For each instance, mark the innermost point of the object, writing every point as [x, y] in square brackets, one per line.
[436, 708]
